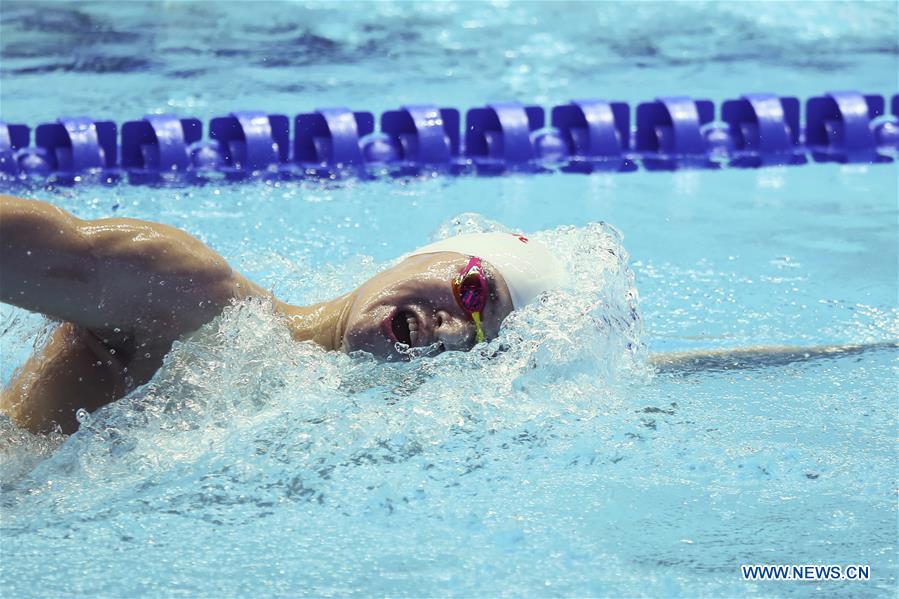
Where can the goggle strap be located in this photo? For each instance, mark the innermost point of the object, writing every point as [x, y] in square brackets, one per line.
[476, 316]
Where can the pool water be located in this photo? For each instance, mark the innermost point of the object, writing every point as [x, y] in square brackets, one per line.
[557, 461]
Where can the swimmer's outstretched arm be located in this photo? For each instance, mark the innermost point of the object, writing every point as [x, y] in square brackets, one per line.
[694, 362]
[116, 277]
[125, 290]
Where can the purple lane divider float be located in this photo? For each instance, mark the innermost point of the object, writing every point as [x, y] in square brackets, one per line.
[838, 127]
[74, 145]
[670, 132]
[499, 135]
[587, 135]
[596, 135]
[423, 134]
[330, 137]
[764, 130]
[251, 141]
[159, 143]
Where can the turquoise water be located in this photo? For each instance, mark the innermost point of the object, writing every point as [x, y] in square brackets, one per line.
[563, 465]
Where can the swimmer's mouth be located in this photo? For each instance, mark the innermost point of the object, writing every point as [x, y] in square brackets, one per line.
[405, 328]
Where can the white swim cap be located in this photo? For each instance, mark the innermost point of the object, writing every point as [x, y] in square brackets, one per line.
[526, 265]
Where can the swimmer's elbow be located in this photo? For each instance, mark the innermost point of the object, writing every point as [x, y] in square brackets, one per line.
[40, 245]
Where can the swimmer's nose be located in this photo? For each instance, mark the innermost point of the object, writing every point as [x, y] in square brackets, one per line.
[453, 332]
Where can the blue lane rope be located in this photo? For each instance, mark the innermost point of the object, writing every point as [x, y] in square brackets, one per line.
[592, 135]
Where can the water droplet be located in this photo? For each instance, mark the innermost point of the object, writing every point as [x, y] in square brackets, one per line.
[28, 253]
[83, 417]
[147, 355]
[117, 330]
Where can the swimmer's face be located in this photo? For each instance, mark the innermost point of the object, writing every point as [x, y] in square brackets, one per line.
[413, 303]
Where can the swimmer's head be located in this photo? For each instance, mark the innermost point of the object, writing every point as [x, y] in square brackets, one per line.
[414, 302]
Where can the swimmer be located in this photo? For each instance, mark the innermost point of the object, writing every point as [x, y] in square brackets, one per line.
[125, 290]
